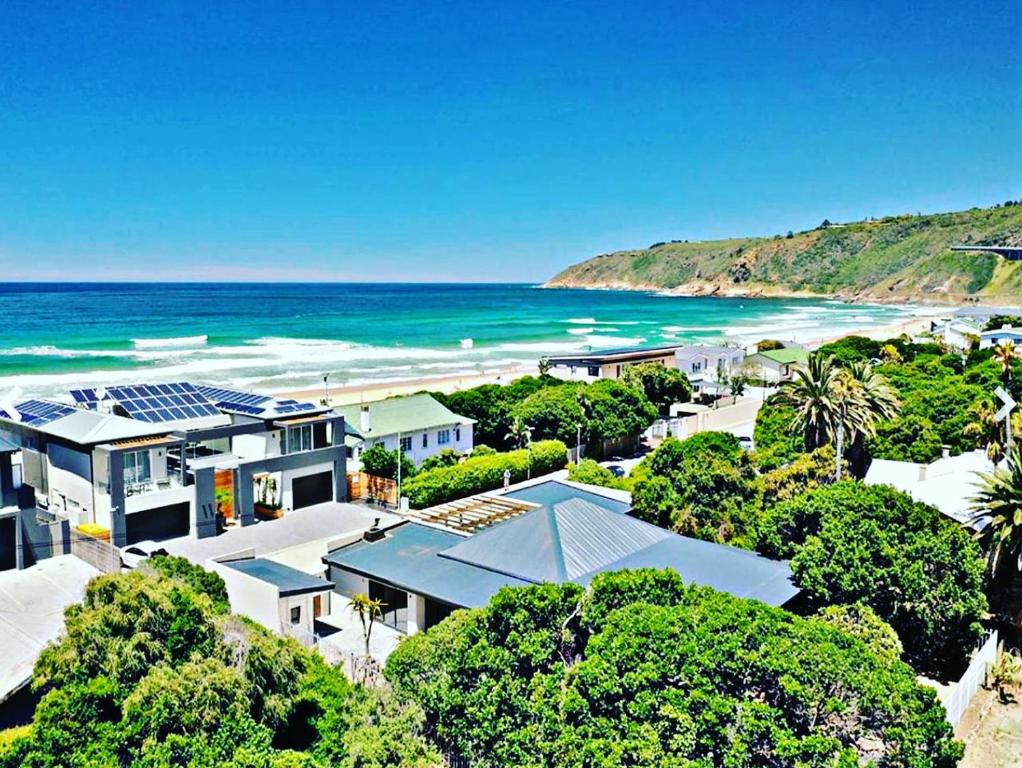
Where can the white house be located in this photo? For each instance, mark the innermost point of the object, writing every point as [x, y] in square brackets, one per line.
[947, 483]
[956, 332]
[1000, 335]
[707, 364]
[420, 425]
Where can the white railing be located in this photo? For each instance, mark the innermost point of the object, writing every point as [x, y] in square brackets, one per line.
[984, 657]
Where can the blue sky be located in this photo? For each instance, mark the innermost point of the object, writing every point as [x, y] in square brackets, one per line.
[481, 141]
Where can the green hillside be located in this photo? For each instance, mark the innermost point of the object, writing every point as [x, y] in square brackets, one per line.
[898, 257]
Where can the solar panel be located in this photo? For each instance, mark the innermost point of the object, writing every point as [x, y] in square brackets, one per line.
[157, 403]
[36, 413]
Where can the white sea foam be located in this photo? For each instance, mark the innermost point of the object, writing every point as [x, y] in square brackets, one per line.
[172, 341]
[581, 320]
[580, 331]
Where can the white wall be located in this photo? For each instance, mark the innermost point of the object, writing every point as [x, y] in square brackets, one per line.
[249, 596]
[462, 441]
[257, 446]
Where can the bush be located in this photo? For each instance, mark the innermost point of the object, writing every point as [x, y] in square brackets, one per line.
[920, 572]
[447, 457]
[640, 670]
[380, 462]
[588, 471]
[477, 474]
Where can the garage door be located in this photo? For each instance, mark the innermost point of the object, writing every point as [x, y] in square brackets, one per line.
[158, 524]
[312, 489]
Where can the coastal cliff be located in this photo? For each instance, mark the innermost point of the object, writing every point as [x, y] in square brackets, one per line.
[897, 258]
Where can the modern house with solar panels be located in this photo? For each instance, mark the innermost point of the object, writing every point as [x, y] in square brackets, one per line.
[158, 461]
[458, 555]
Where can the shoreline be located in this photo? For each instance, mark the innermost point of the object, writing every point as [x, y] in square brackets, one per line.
[759, 291]
[369, 392]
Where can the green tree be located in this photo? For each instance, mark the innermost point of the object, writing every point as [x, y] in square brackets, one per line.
[920, 572]
[588, 471]
[378, 461]
[814, 395]
[447, 457]
[640, 670]
[519, 434]
[661, 385]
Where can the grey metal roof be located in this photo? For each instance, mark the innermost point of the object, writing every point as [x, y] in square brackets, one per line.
[287, 580]
[599, 356]
[553, 491]
[89, 427]
[407, 558]
[558, 543]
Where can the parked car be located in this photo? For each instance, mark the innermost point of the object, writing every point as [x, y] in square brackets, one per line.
[745, 441]
[617, 470]
[134, 555]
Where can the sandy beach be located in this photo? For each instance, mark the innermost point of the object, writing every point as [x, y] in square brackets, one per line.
[355, 393]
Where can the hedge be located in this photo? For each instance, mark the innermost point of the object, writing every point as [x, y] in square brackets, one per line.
[483, 473]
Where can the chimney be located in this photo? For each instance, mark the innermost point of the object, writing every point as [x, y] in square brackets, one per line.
[374, 532]
[363, 420]
[945, 451]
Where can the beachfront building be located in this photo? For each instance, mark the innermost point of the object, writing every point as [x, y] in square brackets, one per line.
[957, 332]
[458, 555]
[997, 337]
[779, 365]
[706, 365]
[610, 363]
[158, 461]
[418, 424]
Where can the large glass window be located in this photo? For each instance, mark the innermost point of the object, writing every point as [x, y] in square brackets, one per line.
[136, 467]
[299, 438]
[394, 611]
[443, 437]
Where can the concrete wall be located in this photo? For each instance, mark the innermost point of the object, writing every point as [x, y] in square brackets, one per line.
[256, 446]
[288, 476]
[347, 583]
[249, 596]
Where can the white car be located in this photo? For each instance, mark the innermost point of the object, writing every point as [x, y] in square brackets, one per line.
[133, 555]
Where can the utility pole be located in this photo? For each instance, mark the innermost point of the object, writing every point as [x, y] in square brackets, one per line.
[578, 443]
[400, 455]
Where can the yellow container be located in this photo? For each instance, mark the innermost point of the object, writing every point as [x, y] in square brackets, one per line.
[95, 530]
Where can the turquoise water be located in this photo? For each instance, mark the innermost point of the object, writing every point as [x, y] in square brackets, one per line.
[280, 337]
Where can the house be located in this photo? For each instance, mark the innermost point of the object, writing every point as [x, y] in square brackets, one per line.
[949, 483]
[609, 363]
[999, 336]
[777, 365]
[282, 598]
[956, 332]
[460, 554]
[158, 461]
[419, 424]
[706, 364]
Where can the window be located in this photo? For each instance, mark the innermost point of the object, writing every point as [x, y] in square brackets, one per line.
[425, 440]
[594, 370]
[457, 434]
[443, 436]
[394, 611]
[296, 614]
[406, 444]
[298, 439]
[136, 467]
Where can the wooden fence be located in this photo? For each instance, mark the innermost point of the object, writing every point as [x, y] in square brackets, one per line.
[362, 485]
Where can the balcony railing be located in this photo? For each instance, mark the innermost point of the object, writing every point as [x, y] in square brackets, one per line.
[153, 485]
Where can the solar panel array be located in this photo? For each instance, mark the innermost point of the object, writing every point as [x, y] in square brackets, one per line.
[154, 403]
[251, 404]
[36, 413]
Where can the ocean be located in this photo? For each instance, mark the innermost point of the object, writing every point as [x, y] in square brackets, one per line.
[280, 337]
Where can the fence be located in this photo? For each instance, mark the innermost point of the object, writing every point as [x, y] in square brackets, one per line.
[100, 554]
[713, 419]
[984, 657]
[362, 485]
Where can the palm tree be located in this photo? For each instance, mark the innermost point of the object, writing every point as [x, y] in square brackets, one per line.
[812, 393]
[988, 430]
[520, 433]
[1005, 353]
[999, 499]
[873, 401]
[368, 611]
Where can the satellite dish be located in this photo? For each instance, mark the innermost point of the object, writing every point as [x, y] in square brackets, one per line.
[7, 403]
[101, 393]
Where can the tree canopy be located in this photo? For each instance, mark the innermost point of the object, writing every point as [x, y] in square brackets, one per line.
[640, 670]
[920, 572]
[153, 672]
[661, 385]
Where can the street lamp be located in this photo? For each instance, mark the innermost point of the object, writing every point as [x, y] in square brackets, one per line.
[578, 443]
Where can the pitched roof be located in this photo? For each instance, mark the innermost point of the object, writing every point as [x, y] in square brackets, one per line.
[407, 558]
[549, 492]
[413, 413]
[785, 356]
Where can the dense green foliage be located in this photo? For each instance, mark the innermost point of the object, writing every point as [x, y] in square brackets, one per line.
[589, 471]
[897, 256]
[483, 473]
[605, 410]
[640, 670]
[999, 498]
[199, 579]
[862, 622]
[491, 405]
[940, 396]
[919, 571]
[153, 673]
[446, 457]
[378, 461]
[703, 486]
[662, 386]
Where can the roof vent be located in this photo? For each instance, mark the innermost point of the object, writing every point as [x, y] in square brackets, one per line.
[363, 420]
[374, 532]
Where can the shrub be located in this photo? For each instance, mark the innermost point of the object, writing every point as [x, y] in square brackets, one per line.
[477, 474]
[588, 471]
